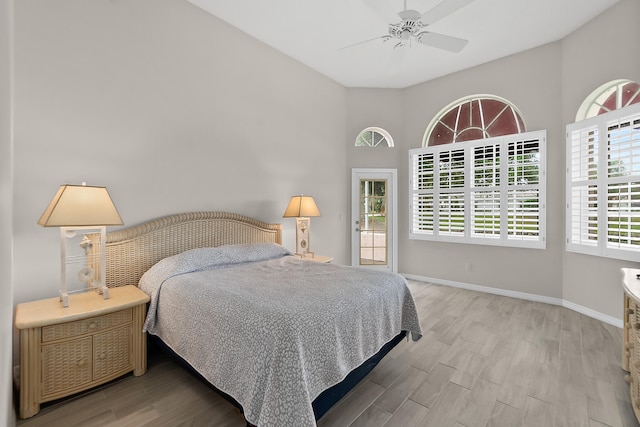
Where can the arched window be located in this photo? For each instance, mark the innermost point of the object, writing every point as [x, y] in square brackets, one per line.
[603, 179]
[610, 96]
[473, 117]
[489, 188]
[374, 137]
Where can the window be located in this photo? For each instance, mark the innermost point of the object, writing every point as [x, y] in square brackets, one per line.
[472, 118]
[491, 191]
[610, 96]
[374, 137]
[373, 222]
[603, 184]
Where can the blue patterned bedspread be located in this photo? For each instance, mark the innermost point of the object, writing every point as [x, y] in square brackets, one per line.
[271, 330]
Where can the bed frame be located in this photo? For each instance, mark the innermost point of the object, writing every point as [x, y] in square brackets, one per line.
[130, 252]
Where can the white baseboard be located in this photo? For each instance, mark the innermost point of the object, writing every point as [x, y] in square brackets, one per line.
[522, 295]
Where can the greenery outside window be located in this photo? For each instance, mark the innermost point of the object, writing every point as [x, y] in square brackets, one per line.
[490, 191]
[603, 185]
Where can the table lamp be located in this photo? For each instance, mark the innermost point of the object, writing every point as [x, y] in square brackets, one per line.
[301, 208]
[89, 210]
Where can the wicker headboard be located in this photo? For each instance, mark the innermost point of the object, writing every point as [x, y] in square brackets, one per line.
[132, 251]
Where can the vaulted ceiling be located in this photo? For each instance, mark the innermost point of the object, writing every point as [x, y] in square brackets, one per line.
[318, 33]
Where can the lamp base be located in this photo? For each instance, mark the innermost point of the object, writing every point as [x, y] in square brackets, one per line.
[307, 254]
[64, 298]
[303, 231]
[101, 289]
[82, 258]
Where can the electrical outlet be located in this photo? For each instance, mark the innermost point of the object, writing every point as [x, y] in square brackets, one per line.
[468, 266]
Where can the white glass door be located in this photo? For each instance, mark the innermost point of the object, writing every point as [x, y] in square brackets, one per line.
[373, 218]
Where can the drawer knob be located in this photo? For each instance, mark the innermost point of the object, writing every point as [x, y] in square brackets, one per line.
[102, 356]
[82, 362]
[628, 379]
[92, 325]
[630, 311]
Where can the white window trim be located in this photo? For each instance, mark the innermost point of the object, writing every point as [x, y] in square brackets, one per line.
[597, 245]
[465, 100]
[466, 236]
[386, 137]
[593, 103]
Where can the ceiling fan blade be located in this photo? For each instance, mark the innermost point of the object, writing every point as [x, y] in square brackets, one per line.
[397, 59]
[443, 9]
[452, 44]
[362, 42]
[383, 9]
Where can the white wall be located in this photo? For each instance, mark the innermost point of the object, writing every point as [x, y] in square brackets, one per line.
[7, 415]
[173, 110]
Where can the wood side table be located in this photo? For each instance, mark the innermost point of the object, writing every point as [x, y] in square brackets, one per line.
[67, 350]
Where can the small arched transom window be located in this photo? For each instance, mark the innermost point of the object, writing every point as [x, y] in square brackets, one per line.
[374, 137]
[610, 96]
[473, 117]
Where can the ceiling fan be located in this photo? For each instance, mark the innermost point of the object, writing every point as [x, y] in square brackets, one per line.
[412, 26]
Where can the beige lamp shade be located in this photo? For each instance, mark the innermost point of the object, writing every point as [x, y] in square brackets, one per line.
[80, 206]
[301, 206]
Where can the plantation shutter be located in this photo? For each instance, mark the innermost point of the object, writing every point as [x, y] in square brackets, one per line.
[603, 185]
[489, 191]
[582, 156]
[485, 192]
[524, 199]
[451, 200]
[422, 193]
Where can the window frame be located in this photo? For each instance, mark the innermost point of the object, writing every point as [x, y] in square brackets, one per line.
[430, 181]
[588, 183]
[484, 128]
[385, 137]
[595, 102]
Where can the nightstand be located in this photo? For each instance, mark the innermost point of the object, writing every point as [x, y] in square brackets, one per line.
[318, 258]
[67, 350]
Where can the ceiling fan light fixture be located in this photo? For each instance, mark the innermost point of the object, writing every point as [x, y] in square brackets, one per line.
[412, 23]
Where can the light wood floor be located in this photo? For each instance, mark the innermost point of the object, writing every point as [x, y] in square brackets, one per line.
[484, 360]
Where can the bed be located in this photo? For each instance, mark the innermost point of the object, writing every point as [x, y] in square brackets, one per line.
[283, 337]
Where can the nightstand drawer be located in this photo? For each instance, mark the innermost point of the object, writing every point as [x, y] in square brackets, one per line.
[80, 327]
[66, 365]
